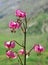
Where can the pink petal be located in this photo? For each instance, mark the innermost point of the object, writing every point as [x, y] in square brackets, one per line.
[20, 13]
[7, 44]
[21, 52]
[11, 54]
[38, 48]
[18, 25]
[12, 44]
[12, 24]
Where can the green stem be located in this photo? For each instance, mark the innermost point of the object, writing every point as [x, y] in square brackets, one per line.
[19, 44]
[30, 50]
[20, 60]
[25, 41]
[26, 22]
[25, 48]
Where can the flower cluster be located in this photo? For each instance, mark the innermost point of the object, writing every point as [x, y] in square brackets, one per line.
[9, 52]
[14, 25]
[11, 44]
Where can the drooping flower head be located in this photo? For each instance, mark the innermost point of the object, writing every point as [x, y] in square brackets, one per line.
[11, 54]
[38, 48]
[9, 44]
[21, 52]
[14, 25]
[20, 13]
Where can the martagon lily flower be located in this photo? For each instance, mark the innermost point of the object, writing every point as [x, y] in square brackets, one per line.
[38, 48]
[11, 54]
[21, 52]
[20, 14]
[14, 25]
[9, 44]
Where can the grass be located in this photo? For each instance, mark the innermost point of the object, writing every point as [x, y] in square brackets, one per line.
[6, 35]
[31, 40]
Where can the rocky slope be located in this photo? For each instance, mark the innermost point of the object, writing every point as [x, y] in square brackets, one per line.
[32, 7]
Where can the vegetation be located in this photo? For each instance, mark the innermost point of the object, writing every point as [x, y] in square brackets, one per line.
[42, 38]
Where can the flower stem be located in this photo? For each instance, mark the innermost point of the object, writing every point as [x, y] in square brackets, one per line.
[25, 48]
[20, 60]
[19, 44]
[26, 22]
[25, 41]
[30, 50]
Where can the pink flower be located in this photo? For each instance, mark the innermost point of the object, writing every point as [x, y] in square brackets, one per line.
[21, 52]
[9, 44]
[12, 25]
[12, 44]
[11, 54]
[18, 25]
[38, 48]
[20, 13]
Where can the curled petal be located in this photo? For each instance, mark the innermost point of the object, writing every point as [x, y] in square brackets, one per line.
[7, 44]
[12, 44]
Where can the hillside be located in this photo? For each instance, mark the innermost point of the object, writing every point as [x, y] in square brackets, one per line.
[32, 7]
[37, 13]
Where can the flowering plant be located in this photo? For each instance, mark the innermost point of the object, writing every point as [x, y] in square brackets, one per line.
[14, 25]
